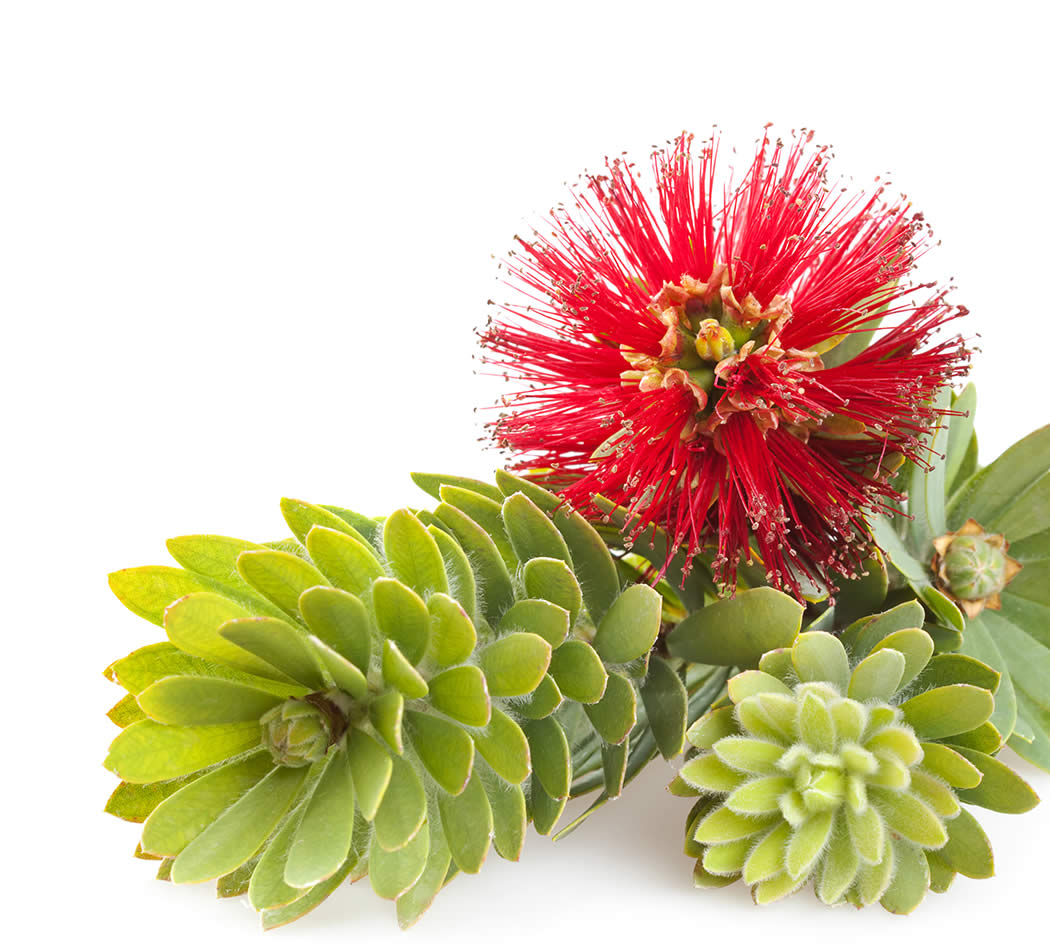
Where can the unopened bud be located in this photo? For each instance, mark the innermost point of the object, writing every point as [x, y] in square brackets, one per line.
[297, 733]
[713, 341]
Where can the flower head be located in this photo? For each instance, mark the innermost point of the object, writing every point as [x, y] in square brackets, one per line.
[679, 356]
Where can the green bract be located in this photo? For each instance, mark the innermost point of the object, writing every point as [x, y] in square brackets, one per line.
[974, 545]
[848, 770]
[382, 697]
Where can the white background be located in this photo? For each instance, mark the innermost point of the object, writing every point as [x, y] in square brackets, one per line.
[243, 250]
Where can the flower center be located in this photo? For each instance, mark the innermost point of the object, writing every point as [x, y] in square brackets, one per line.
[726, 352]
[299, 732]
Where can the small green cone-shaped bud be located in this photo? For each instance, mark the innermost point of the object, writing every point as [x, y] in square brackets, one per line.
[825, 770]
[297, 733]
[973, 568]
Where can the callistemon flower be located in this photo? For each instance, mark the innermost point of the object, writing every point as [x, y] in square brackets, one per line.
[672, 356]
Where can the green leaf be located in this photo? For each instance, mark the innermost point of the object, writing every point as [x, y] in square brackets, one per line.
[878, 677]
[915, 645]
[711, 727]
[489, 567]
[432, 484]
[994, 489]
[236, 835]
[968, 850]
[591, 560]
[958, 669]
[509, 818]
[868, 314]
[543, 618]
[134, 802]
[945, 609]
[322, 839]
[467, 822]
[614, 767]
[818, 656]
[926, 513]
[386, 712]
[960, 433]
[549, 748]
[982, 645]
[545, 700]
[267, 888]
[949, 765]
[840, 867]
[280, 577]
[630, 627]
[666, 705]
[346, 561]
[1000, 788]
[461, 693]
[505, 748]
[276, 643]
[413, 554]
[909, 817]
[862, 636]
[399, 673]
[370, 769]
[301, 517]
[446, 750]
[738, 631]
[911, 879]
[402, 617]
[707, 772]
[412, 903]
[725, 826]
[452, 635]
[193, 625]
[392, 873]
[307, 902]
[462, 586]
[175, 821]
[149, 590]
[486, 513]
[515, 664]
[754, 682]
[552, 580]
[544, 809]
[767, 858]
[531, 532]
[807, 843]
[578, 671]
[951, 709]
[941, 874]
[194, 701]
[146, 752]
[749, 754]
[404, 807]
[340, 620]
[616, 712]
[344, 674]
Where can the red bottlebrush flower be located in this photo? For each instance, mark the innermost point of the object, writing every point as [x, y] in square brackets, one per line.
[671, 357]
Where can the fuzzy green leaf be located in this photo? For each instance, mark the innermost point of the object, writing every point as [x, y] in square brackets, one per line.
[322, 838]
[145, 752]
[446, 750]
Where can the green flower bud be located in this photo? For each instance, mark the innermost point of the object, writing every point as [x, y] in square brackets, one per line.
[819, 771]
[973, 567]
[297, 733]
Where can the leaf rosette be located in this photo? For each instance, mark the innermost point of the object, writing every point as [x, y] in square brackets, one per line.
[846, 763]
[386, 698]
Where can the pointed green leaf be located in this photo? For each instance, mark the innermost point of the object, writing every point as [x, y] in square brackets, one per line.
[399, 673]
[911, 879]
[490, 570]
[908, 816]
[926, 514]
[301, 517]
[280, 577]
[134, 802]
[968, 850]
[807, 843]
[713, 726]
[343, 673]
[960, 434]
[404, 807]
[950, 766]
[531, 532]
[385, 713]
[461, 582]
[725, 826]
[1000, 788]
[666, 705]
[432, 484]
[267, 888]
[840, 867]
[149, 590]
